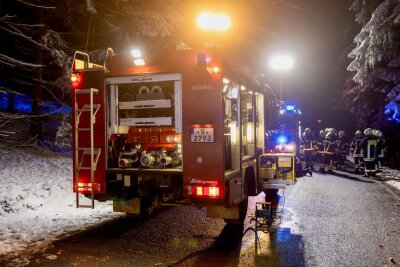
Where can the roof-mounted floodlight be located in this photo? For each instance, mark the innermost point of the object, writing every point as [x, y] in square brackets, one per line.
[139, 62]
[136, 53]
[137, 57]
[210, 21]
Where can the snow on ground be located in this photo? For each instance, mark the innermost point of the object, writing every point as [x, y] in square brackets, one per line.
[390, 176]
[394, 182]
[37, 203]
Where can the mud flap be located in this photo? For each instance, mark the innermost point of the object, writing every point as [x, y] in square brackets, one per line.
[230, 213]
[131, 206]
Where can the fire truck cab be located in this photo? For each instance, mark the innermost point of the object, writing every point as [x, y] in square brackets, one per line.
[168, 128]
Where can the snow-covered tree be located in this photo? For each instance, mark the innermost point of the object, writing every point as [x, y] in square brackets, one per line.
[39, 38]
[22, 52]
[375, 63]
[373, 93]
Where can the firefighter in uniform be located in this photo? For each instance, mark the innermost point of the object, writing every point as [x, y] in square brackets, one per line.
[368, 150]
[341, 149]
[320, 150]
[329, 149]
[380, 149]
[355, 151]
[308, 142]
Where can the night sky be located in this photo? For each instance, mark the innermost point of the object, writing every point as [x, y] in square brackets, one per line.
[318, 34]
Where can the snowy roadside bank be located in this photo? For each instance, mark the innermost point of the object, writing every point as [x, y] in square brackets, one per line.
[389, 176]
[37, 204]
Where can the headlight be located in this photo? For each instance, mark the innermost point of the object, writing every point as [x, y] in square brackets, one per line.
[291, 147]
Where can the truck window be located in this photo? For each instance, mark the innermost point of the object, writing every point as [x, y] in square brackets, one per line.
[248, 122]
[231, 125]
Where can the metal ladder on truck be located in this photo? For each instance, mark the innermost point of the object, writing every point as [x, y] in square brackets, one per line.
[94, 153]
[91, 151]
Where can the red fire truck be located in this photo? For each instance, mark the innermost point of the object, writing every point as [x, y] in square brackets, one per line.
[170, 128]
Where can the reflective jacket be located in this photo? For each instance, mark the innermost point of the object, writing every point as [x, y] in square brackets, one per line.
[368, 148]
[355, 147]
[330, 143]
[342, 145]
[309, 142]
[380, 146]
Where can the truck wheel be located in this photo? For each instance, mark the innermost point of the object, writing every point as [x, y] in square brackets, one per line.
[242, 213]
[243, 209]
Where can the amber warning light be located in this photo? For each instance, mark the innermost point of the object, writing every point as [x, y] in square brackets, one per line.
[216, 70]
[74, 78]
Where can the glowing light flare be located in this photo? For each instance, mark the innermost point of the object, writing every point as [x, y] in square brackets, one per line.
[213, 191]
[285, 147]
[137, 57]
[199, 190]
[169, 139]
[136, 53]
[86, 187]
[250, 133]
[282, 139]
[215, 70]
[139, 62]
[209, 21]
[281, 62]
[289, 147]
[234, 133]
[290, 107]
[206, 191]
[74, 78]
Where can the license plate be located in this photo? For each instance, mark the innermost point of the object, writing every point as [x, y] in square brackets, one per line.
[202, 135]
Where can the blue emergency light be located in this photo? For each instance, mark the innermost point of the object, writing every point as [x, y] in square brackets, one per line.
[290, 107]
[282, 139]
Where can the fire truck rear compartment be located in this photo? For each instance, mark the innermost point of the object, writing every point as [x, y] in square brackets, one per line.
[144, 141]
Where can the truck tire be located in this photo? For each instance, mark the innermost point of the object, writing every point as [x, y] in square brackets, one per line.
[242, 205]
[250, 180]
[242, 213]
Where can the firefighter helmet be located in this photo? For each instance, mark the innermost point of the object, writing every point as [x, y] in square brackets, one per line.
[322, 133]
[307, 131]
[341, 134]
[368, 132]
[358, 133]
[378, 133]
[331, 130]
[330, 134]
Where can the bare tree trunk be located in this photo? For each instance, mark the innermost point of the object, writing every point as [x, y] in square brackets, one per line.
[36, 123]
[11, 102]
